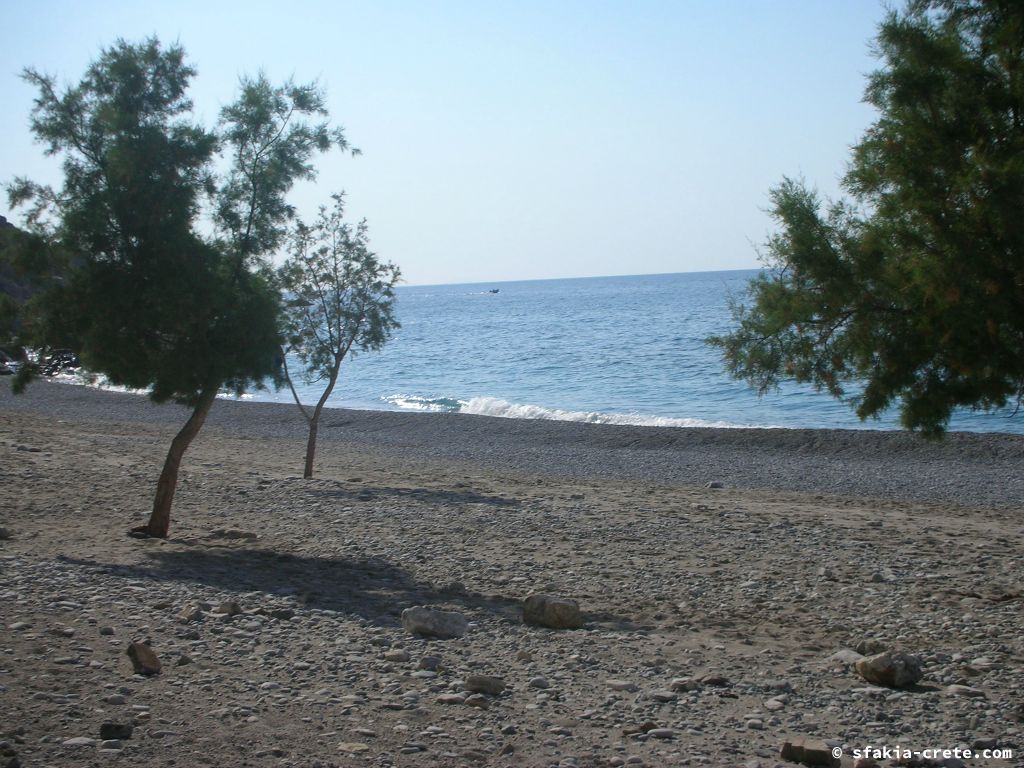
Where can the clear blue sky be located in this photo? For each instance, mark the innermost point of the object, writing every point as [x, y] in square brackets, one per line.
[515, 140]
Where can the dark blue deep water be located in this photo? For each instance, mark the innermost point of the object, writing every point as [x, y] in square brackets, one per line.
[605, 349]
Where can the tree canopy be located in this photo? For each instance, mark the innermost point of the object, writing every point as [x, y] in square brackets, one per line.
[170, 290]
[340, 298]
[911, 292]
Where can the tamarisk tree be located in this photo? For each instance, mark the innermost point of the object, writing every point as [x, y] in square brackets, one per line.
[910, 293]
[161, 297]
[340, 299]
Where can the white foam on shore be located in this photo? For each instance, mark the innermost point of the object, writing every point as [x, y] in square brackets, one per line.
[480, 406]
[81, 378]
[430, 404]
[493, 406]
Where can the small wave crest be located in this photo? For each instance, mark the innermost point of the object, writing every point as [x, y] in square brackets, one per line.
[417, 403]
[492, 406]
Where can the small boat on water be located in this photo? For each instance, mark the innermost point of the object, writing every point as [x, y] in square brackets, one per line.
[494, 290]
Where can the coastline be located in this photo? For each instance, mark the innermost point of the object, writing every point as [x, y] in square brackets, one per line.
[965, 469]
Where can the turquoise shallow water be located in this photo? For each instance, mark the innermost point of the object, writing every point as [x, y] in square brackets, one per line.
[606, 349]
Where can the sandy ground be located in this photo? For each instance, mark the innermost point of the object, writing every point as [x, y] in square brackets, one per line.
[712, 616]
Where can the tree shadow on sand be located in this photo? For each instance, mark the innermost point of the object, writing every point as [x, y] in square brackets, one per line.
[370, 588]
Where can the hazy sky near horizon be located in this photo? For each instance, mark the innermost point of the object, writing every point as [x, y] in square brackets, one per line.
[522, 140]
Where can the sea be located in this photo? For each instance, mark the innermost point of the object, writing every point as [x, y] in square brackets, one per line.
[608, 350]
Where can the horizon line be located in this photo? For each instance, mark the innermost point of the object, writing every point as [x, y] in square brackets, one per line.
[580, 277]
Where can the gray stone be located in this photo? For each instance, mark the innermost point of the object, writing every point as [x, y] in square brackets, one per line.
[552, 612]
[430, 623]
[965, 690]
[891, 669]
[715, 680]
[684, 684]
[621, 685]
[190, 613]
[79, 741]
[484, 684]
[869, 647]
[451, 698]
[353, 747]
[230, 608]
[846, 656]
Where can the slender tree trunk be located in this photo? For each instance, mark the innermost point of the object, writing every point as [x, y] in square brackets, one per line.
[314, 422]
[160, 519]
[291, 386]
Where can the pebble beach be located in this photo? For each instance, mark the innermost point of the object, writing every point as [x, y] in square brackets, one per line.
[728, 583]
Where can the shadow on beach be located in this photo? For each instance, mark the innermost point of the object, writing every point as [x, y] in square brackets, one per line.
[369, 588]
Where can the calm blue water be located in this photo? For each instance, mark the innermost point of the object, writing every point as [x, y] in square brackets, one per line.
[608, 349]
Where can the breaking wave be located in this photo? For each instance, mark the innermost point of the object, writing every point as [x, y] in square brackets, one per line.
[416, 403]
[492, 406]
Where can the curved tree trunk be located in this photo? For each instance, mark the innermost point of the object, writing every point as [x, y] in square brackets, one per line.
[160, 520]
[314, 423]
[291, 385]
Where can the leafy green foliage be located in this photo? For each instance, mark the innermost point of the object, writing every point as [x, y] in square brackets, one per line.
[341, 298]
[152, 300]
[914, 290]
[270, 151]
